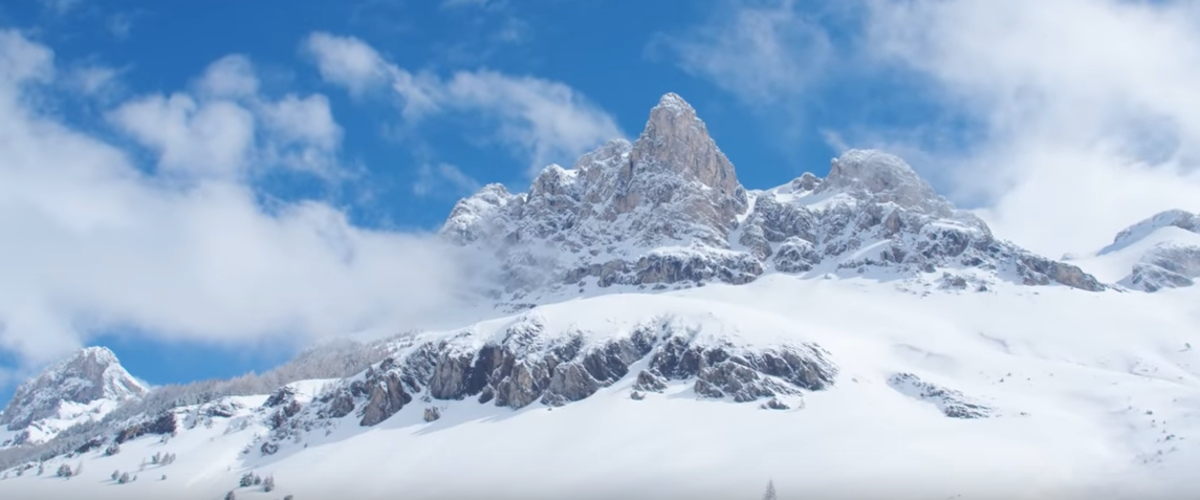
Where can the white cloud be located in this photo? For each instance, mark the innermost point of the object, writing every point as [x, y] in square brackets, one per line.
[231, 76]
[23, 60]
[347, 61]
[542, 121]
[444, 178]
[303, 120]
[92, 241]
[760, 52]
[198, 138]
[1090, 115]
[227, 127]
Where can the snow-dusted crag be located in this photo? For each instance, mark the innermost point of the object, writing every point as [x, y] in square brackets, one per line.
[84, 387]
[1168, 245]
[668, 210]
[554, 357]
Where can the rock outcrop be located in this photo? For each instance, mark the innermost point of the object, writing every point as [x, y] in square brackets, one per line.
[951, 403]
[531, 364]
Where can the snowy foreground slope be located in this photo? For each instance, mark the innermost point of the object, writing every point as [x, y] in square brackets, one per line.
[1085, 395]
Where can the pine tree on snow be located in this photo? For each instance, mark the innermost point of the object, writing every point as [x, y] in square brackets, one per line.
[770, 494]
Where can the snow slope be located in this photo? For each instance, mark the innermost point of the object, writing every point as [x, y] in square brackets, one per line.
[1093, 395]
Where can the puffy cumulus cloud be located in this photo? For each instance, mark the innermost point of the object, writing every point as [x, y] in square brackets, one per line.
[542, 121]
[226, 127]
[92, 241]
[1089, 115]
[347, 61]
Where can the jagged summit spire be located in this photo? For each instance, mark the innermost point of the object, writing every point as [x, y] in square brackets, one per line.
[674, 103]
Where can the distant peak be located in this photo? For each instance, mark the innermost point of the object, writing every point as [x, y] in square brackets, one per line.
[883, 176]
[1181, 219]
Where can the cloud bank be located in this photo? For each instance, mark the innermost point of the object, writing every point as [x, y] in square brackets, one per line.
[181, 245]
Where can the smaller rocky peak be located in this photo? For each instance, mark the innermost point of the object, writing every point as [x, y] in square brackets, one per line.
[473, 214]
[1181, 219]
[606, 156]
[807, 182]
[89, 375]
[883, 177]
[552, 181]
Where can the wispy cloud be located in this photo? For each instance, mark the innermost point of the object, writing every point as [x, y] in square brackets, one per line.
[444, 179]
[541, 121]
[185, 250]
[760, 52]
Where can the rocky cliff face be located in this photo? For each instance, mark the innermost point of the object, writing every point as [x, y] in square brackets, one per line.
[83, 387]
[534, 359]
[667, 210]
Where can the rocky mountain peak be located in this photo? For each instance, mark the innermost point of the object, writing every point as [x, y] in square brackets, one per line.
[676, 141]
[89, 375]
[667, 210]
[884, 178]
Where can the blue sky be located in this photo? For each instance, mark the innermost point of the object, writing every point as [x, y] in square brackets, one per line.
[190, 111]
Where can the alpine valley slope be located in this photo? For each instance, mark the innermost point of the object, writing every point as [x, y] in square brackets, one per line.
[661, 332]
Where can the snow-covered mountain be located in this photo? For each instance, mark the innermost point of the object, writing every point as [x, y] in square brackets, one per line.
[81, 388]
[663, 332]
[667, 211]
[1162, 251]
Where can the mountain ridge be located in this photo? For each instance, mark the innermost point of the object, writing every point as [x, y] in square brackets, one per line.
[662, 212]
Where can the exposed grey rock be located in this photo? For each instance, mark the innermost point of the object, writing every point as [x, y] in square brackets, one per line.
[952, 403]
[91, 374]
[162, 424]
[280, 397]
[386, 394]
[432, 413]
[775, 404]
[1166, 266]
[796, 255]
[649, 382]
